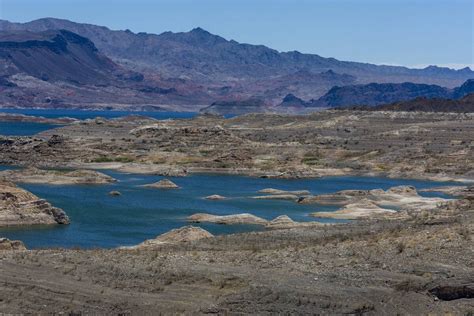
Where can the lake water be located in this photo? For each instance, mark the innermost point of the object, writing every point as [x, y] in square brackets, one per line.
[28, 129]
[82, 114]
[23, 128]
[101, 220]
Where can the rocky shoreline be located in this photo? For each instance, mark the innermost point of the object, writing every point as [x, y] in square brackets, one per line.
[20, 207]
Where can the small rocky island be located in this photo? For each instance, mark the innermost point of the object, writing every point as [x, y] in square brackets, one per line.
[162, 184]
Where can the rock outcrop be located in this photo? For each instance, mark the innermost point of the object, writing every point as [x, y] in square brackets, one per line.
[215, 197]
[244, 218]
[178, 235]
[338, 198]
[280, 222]
[281, 192]
[370, 203]
[284, 222]
[162, 184]
[466, 192]
[276, 194]
[362, 209]
[290, 197]
[7, 244]
[20, 207]
[56, 177]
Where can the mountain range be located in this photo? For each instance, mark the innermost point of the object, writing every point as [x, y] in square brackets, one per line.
[382, 93]
[423, 104]
[77, 64]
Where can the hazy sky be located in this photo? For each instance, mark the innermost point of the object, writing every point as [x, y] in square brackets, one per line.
[412, 33]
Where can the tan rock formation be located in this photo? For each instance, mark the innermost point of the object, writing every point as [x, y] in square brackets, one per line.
[20, 207]
[162, 184]
[215, 197]
[244, 218]
[284, 222]
[7, 244]
[362, 209]
[460, 191]
[178, 235]
[56, 177]
[367, 203]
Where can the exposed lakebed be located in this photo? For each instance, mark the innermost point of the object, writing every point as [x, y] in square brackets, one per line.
[139, 213]
[101, 220]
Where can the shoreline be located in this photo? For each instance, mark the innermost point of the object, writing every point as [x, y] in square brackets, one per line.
[148, 169]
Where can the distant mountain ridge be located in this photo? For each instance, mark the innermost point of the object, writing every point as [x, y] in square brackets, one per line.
[200, 55]
[379, 93]
[463, 105]
[374, 94]
[193, 69]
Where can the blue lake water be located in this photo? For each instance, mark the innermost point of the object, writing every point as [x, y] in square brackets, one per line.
[28, 129]
[83, 114]
[24, 128]
[100, 220]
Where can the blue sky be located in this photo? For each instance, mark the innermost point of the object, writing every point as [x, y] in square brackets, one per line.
[414, 33]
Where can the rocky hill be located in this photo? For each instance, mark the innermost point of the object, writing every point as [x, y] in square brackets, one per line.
[376, 93]
[464, 105]
[58, 56]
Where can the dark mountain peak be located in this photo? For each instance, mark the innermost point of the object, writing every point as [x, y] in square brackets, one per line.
[196, 37]
[290, 97]
[203, 34]
[290, 100]
[200, 30]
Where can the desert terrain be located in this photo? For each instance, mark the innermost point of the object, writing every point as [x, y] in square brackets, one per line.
[415, 257]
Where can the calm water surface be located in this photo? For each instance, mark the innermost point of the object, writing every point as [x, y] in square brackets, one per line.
[28, 128]
[82, 114]
[100, 220]
[23, 128]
